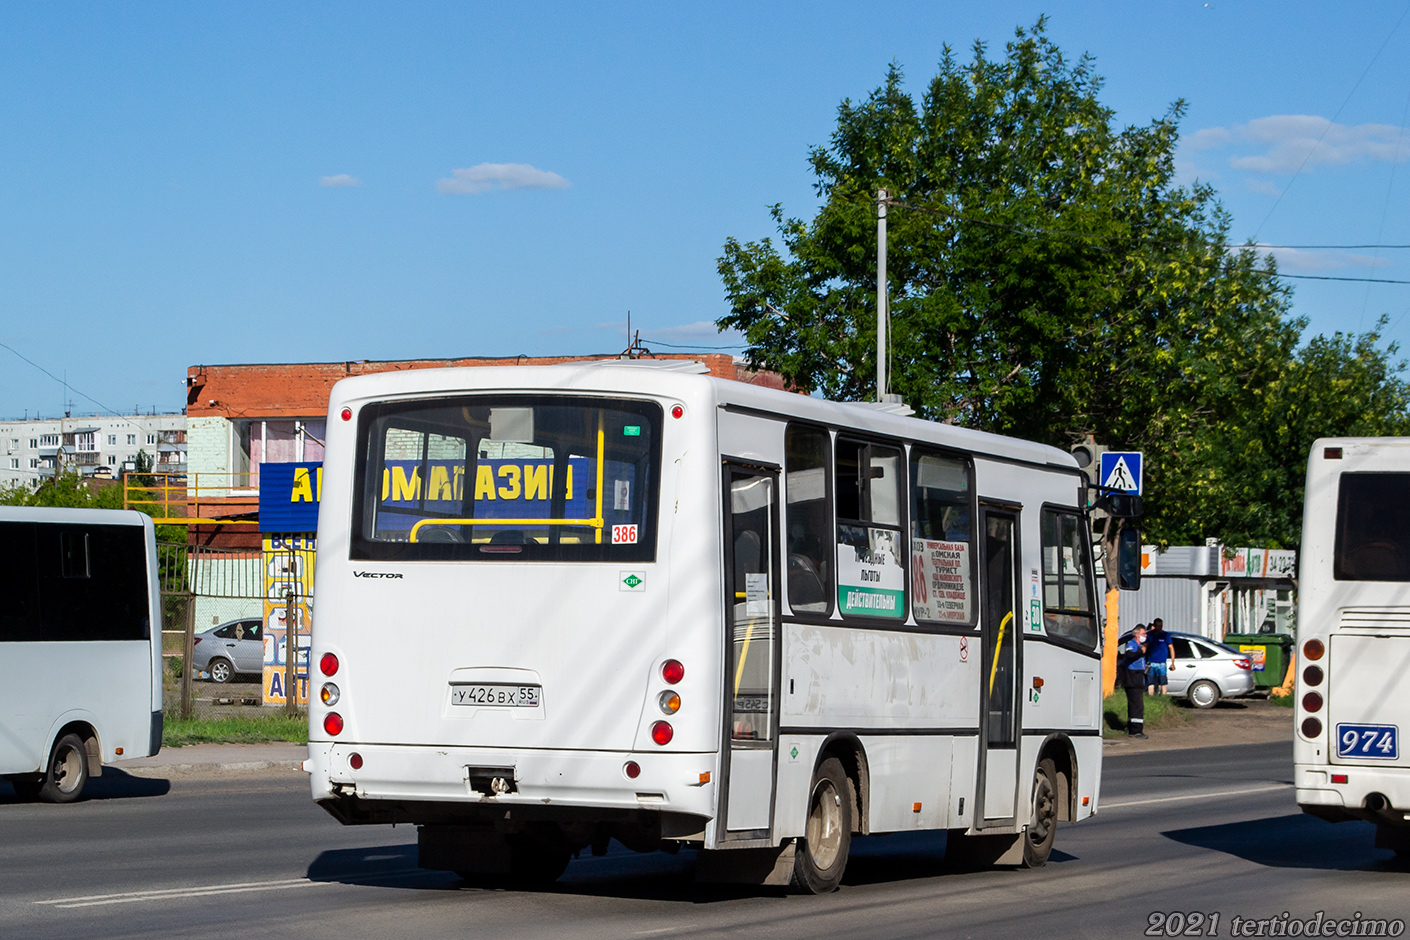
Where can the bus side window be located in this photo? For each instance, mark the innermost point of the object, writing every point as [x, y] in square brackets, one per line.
[871, 569]
[1068, 610]
[942, 539]
[809, 521]
[19, 583]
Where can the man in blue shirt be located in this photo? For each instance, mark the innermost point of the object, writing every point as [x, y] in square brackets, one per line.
[1160, 656]
[1131, 675]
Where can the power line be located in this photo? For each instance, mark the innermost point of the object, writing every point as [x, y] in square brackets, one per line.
[1339, 247]
[1321, 277]
[655, 342]
[111, 411]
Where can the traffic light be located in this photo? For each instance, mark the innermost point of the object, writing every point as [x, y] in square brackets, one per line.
[1088, 455]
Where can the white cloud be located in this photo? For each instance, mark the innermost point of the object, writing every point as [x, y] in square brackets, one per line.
[1263, 187]
[342, 179]
[1281, 143]
[1298, 259]
[487, 176]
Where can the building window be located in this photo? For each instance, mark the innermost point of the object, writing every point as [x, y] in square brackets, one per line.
[112, 460]
[112, 438]
[151, 438]
[33, 463]
[33, 443]
[14, 463]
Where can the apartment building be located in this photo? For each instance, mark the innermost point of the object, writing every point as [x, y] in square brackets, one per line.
[32, 450]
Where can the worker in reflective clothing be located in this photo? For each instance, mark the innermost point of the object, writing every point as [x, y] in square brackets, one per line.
[1131, 675]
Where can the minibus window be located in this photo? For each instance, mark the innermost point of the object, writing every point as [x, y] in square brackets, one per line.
[942, 539]
[1373, 527]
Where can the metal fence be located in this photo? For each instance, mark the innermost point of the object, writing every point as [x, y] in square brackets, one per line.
[202, 587]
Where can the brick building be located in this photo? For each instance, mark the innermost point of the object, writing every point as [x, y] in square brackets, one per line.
[239, 416]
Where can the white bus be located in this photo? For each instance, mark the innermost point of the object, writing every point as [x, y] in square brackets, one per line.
[80, 646]
[560, 605]
[1352, 760]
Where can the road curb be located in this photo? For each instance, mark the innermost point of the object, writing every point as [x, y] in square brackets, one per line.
[158, 770]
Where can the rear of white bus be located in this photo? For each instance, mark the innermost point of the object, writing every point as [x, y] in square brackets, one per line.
[1352, 714]
[499, 655]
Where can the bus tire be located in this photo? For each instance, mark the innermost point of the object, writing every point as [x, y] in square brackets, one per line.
[66, 774]
[221, 670]
[1203, 694]
[820, 857]
[1039, 835]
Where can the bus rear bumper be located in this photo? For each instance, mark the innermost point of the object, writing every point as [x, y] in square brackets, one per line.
[1341, 792]
[439, 783]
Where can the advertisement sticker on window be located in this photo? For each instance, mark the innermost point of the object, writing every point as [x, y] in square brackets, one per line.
[871, 581]
[942, 590]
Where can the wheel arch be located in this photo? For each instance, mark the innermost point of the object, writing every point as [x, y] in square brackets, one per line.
[1058, 748]
[92, 746]
[847, 748]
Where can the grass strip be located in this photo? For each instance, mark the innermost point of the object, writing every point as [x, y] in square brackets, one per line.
[234, 730]
[1161, 712]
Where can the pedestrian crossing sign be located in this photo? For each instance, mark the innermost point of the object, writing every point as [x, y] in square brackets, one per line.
[1121, 470]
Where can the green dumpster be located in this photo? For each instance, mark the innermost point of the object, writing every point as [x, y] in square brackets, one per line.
[1270, 653]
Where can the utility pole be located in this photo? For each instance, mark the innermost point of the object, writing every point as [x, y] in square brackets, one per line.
[881, 313]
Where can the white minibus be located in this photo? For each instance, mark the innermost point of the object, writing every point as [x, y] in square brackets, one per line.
[80, 646]
[562, 605]
[1353, 631]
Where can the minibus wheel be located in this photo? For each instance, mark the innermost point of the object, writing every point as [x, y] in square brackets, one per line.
[1042, 826]
[66, 774]
[820, 857]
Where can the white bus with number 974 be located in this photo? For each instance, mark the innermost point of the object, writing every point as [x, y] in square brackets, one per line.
[567, 604]
[1350, 749]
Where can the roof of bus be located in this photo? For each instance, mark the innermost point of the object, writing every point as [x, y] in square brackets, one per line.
[71, 516]
[646, 377]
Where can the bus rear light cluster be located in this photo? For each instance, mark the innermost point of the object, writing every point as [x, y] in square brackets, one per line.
[662, 732]
[333, 724]
[328, 694]
[672, 671]
[1312, 702]
[669, 702]
[1311, 727]
[1313, 650]
[1313, 675]
[328, 664]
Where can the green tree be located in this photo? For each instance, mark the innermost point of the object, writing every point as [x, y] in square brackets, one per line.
[66, 488]
[1048, 278]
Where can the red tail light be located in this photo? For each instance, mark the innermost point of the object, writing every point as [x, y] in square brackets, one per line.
[355, 761]
[1313, 650]
[1312, 675]
[632, 769]
[1244, 663]
[328, 664]
[1312, 702]
[672, 671]
[662, 732]
[1311, 727]
[333, 724]
[196, 642]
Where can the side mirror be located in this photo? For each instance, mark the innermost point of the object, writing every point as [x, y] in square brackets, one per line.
[1120, 505]
[1128, 560]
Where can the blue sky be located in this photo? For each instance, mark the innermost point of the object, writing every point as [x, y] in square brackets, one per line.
[203, 183]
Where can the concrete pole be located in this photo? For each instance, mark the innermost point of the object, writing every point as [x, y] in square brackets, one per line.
[881, 295]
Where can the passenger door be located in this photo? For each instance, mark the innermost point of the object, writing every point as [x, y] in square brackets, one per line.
[998, 722]
[1182, 670]
[249, 649]
[751, 661]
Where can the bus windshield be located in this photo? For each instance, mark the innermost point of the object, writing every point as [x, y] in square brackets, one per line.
[509, 478]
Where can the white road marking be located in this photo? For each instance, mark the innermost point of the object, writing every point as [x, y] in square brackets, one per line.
[1202, 795]
[195, 891]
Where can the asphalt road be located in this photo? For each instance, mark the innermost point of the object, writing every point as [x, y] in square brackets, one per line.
[1212, 831]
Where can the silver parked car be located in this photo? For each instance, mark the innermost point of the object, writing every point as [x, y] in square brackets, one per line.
[1205, 671]
[230, 649]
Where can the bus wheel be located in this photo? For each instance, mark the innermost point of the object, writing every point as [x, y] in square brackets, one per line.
[1042, 826]
[220, 670]
[821, 856]
[67, 772]
[1204, 694]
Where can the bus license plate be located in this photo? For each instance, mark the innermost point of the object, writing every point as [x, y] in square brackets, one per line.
[1371, 742]
[503, 696]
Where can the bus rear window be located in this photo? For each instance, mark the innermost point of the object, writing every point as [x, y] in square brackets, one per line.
[501, 478]
[1373, 527]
